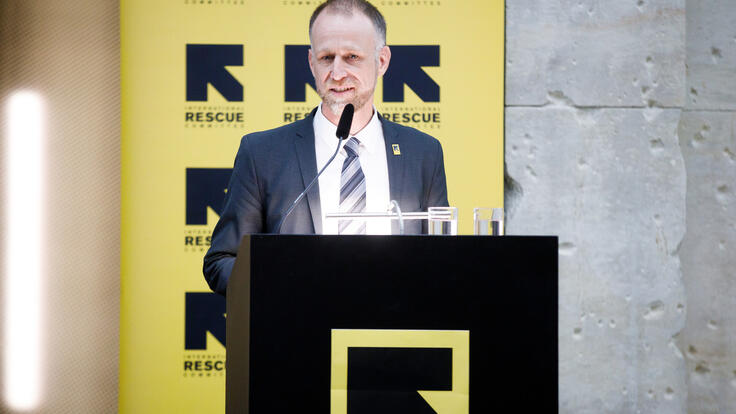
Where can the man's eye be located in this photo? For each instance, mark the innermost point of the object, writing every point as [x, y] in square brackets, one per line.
[353, 57]
[327, 58]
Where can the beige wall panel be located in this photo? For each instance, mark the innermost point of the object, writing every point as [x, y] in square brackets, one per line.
[69, 52]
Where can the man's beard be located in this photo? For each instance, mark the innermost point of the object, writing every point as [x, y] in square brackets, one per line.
[336, 107]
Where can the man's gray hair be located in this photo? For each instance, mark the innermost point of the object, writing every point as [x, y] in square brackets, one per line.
[346, 7]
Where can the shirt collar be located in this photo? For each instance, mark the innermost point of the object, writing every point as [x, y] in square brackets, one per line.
[369, 136]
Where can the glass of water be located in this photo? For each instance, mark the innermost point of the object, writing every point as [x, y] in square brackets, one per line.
[442, 221]
[488, 221]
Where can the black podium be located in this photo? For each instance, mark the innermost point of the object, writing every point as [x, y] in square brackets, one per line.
[392, 324]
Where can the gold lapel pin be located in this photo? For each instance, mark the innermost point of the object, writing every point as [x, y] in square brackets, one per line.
[397, 150]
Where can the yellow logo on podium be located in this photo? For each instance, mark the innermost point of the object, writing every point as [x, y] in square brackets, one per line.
[449, 351]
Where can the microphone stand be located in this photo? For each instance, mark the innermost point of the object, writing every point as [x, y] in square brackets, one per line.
[303, 193]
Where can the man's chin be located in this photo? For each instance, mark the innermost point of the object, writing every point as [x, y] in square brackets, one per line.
[336, 107]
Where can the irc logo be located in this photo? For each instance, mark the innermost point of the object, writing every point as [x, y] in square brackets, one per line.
[405, 69]
[205, 187]
[205, 312]
[400, 371]
[206, 65]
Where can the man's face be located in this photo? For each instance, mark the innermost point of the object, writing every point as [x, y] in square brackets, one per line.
[344, 60]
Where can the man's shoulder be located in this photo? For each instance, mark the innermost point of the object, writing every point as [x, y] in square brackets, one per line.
[279, 134]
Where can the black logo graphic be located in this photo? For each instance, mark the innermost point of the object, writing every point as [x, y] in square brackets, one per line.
[205, 312]
[205, 187]
[297, 73]
[405, 68]
[386, 380]
[206, 65]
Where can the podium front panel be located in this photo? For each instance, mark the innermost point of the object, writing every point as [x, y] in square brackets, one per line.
[289, 295]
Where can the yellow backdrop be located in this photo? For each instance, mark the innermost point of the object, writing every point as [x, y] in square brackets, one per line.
[199, 74]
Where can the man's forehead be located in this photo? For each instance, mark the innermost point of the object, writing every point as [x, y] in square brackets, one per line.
[332, 40]
[336, 24]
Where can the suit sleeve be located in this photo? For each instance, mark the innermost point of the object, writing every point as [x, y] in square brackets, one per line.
[437, 194]
[242, 214]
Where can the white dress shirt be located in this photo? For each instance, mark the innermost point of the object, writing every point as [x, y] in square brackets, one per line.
[372, 155]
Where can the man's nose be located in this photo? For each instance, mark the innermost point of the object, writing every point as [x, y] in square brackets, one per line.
[338, 69]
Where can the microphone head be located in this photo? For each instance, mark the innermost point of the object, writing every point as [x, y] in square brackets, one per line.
[346, 120]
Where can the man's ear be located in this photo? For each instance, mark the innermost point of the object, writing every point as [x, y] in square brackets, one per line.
[310, 59]
[384, 57]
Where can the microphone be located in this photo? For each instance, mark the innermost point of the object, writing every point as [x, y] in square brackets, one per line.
[346, 120]
[343, 131]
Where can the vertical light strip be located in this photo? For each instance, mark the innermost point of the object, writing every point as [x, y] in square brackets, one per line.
[24, 250]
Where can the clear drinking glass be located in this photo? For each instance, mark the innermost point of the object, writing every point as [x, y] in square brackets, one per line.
[482, 221]
[442, 221]
[488, 221]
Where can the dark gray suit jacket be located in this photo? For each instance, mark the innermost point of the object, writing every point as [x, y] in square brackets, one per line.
[273, 167]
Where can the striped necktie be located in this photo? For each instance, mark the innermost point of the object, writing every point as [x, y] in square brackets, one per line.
[352, 190]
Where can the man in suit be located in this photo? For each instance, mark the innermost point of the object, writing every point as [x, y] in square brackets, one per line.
[382, 161]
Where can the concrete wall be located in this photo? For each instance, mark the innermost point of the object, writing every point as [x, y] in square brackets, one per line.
[708, 144]
[620, 139]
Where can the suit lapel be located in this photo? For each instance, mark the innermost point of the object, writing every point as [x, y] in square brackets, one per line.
[304, 146]
[395, 163]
